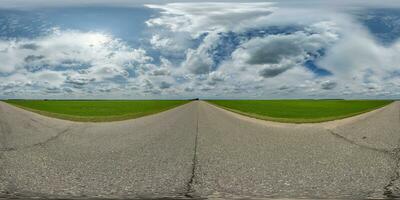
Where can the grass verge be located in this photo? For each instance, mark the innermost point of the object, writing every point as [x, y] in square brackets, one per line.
[96, 110]
[300, 111]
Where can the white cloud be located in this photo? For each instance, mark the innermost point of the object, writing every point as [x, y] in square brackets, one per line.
[70, 49]
[185, 38]
[197, 18]
[293, 3]
[272, 55]
[71, 58]
[264, 64]
[170, 43]
[253, 59]
[197, 61]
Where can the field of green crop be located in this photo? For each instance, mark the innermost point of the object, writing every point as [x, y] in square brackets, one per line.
[96, 111]
[300, 111]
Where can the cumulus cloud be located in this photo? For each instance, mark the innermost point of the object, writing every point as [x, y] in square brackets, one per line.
[68, 58]
[272, 51]
[275, 54]
[198, 18]
[254, 50]
[197, 62]
[64, 47]
[51, 3]
[255, 58]
[329, 38]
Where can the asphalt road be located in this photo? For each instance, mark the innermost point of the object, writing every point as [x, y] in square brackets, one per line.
[199, 150]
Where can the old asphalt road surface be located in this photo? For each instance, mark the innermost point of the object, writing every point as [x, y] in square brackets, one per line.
[199, 150]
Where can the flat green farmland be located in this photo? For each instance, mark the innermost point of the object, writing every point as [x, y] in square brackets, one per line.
[300, 111]
[96, 110]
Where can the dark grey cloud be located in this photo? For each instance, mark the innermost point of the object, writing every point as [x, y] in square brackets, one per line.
[270, 72]
[238, 90]
[198, 66]
[30, 46]
[372, 87]
[328, 85]
[10, 86]
[105, 90]
[33, 58]
[273, 51]
[212, 82]
[165, 85]
[189, 89]
[152, 91]
[53, 90]
[284, 87]
[68, 90]
[161, 72]
[205, 89]
[148, 85]
[214, 79]
[79, 82]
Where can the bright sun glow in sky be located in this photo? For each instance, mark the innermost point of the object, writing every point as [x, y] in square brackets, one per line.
[143, 50]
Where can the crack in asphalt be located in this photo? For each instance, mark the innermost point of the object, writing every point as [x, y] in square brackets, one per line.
[390, 188]
[337, 135]
[392, 191]
[59, 134]
[36, 195]
[189, 187]
[5, 129]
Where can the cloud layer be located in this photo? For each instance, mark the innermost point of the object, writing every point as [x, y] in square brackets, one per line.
[211, 50]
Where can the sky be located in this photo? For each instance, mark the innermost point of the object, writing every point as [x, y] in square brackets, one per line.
[287, 49]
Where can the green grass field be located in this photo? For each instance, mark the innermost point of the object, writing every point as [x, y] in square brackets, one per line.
[300, 111]
[96, 111]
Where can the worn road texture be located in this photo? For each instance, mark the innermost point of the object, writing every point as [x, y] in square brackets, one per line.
[199, 150]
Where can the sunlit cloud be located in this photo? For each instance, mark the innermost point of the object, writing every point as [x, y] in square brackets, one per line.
[275, 49]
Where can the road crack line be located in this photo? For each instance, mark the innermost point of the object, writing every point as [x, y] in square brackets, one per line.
[391, 190]
[189, 187]
[58, 135]
[337, 135]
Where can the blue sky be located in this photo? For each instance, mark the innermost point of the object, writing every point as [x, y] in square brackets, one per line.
[153, 49]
